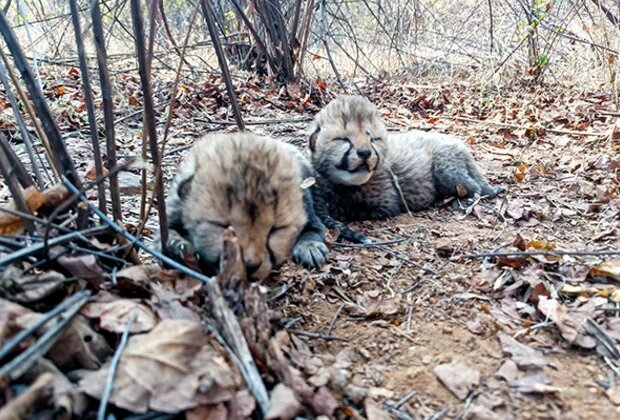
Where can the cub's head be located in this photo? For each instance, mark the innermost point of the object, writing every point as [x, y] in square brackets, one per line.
[249, 183]
[347, 140]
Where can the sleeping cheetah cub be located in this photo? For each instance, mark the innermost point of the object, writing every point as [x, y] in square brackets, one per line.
[254, 185]
[364, 173]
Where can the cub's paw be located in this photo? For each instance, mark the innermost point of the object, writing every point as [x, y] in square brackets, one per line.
[181, 250]
[310, 254]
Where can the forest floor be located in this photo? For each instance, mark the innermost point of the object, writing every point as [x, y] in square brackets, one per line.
[421, 326]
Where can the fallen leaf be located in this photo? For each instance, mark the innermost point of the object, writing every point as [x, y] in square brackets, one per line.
[509, 371]
[458, 377]
[610, 269]
[283, 404]
[170, 369]
[114, 313]
[568, 322]
[83, 266]
[30, 288]
[524, 356]
[374, 304]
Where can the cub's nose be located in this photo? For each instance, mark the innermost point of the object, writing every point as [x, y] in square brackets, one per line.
[364, 153]
[252, 266]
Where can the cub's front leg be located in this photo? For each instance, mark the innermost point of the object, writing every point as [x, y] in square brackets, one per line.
[310, 250]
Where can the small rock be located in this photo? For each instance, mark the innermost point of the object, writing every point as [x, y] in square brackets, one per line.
[427, 359]
[131, 184]
[613, 394]
[355, 393]
[376, 392]
[475, 326]
[447, 330]
[478, 412]
[374, 412]
[364, 352]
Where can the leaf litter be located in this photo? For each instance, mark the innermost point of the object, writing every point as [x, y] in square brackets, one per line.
[490, 330]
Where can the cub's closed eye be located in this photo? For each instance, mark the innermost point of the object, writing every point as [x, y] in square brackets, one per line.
[223, 225]
[276, 229]
[348, 140]
[374, 139]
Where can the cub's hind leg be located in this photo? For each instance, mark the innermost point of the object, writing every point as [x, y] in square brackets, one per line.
[486, 189]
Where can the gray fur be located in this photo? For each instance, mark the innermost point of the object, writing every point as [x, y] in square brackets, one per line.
[417, 166]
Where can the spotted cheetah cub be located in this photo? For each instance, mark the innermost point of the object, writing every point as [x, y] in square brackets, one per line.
[254, 185]
[364, 173]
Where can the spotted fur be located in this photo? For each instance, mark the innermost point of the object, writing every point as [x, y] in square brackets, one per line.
[254, 185]
[364, 173]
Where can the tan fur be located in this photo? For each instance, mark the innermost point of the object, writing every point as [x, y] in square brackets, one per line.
[244, 181]
[365, 174]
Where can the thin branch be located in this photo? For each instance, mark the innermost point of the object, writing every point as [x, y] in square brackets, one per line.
[599, 253]
[52, 132]
[7, 171]
[90, 106]
[109, 382]
[108, 107]
[22, 362]
[149, 116]
[219, 51]
[11, 344]
[21, 125]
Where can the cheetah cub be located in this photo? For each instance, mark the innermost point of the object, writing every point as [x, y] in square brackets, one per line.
[254, 185]
[363, 173]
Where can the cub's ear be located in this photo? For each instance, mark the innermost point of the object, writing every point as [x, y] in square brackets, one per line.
[185, 187]
[314, 134]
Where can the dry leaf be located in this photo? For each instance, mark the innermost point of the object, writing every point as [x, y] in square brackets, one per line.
[609, 269]
[114, 313]
[524, 356]
[569, 322]
[458, 377]
[170, 369]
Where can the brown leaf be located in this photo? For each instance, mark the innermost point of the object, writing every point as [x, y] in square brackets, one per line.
[91, 172]
[114, 313]
[283, 404]
[519, 242]
[374, 304]
[610, 269]
[78, 347]
[30, 288]
[83, 266]
[523, 355]
[569, 322]
[458, 377]
[11, 224]
[170, 369]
